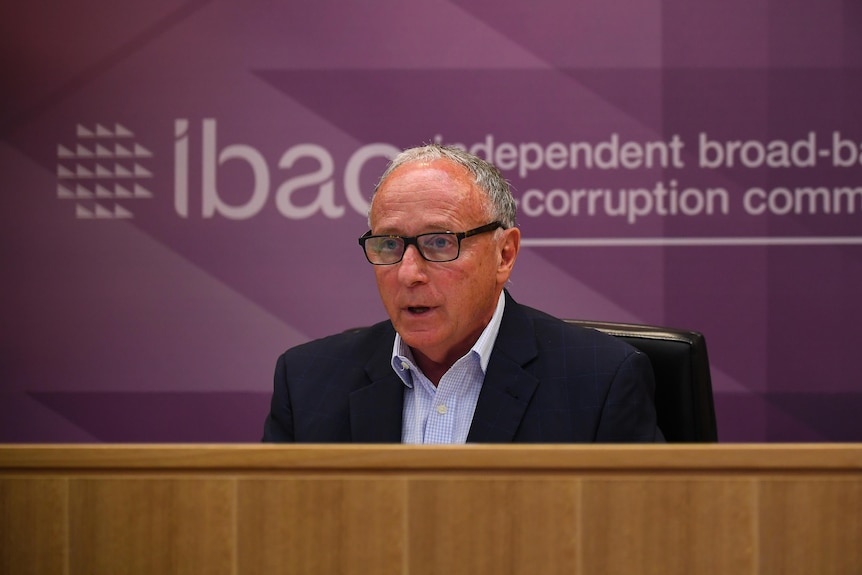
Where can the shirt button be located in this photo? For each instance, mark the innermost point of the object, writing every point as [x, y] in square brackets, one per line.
[441, 409]
[405, 366]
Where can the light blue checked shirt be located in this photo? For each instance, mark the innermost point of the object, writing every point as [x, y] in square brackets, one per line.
[443, 414]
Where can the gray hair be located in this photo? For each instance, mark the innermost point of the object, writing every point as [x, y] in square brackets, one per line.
[501, 204]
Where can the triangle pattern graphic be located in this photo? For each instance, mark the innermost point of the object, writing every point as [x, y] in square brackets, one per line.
[142, 152]
[102, 171]
[142, 192]
[82, 171]
[122, 213]
[141, 172]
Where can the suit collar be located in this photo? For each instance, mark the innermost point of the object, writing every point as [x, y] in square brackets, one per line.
[376, 409]
[508, 388]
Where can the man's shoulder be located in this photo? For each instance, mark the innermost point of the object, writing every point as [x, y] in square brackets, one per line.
[554, 331]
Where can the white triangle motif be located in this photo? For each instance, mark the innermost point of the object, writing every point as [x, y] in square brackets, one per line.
[142, 152]
[122, 132]
[122, 151]
[83, 193]
[83, 132]
[142, 192]
[83, 152]
[82, 172]
[64, 172]
[121, 172]
[122, 192]
[103, 152]
[141, 172]
[103, 172]
[65, 193]
[103, 192]
[103, 132]
[64, 152]
[82, 212]
[103, 212]
[121, 212]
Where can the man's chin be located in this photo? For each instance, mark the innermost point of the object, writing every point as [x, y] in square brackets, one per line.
[414, 336]
[418, 336]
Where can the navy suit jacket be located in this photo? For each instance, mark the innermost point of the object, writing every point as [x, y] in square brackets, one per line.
[547, 381]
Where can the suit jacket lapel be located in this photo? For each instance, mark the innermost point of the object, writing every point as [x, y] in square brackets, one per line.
[376, 409]
[507, 388]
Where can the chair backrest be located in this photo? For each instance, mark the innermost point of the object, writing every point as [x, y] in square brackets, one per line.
[683, 394]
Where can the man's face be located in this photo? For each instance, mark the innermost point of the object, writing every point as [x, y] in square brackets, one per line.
[440, 308]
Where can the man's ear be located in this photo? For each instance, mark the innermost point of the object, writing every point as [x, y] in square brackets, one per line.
[509, 247]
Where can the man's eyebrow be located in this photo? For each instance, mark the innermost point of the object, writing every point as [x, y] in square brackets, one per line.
[432, 229]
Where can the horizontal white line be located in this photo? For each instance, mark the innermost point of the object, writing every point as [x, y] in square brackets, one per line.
[659, 242]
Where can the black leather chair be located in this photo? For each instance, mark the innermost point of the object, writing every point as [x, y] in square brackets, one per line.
[683, 394]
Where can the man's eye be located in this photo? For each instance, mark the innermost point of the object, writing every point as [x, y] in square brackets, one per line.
[437, 242]
[389, 245]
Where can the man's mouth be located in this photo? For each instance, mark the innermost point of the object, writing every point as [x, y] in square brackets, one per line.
[418, 309]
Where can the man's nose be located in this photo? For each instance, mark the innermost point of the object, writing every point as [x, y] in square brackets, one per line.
[411, 268]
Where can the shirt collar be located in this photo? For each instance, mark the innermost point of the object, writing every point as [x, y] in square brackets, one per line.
[402, 357]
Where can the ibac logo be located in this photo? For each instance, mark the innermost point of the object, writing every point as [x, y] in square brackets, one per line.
[103, 172]
[326, 200]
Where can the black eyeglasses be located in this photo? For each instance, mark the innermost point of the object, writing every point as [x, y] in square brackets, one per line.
[434, 247]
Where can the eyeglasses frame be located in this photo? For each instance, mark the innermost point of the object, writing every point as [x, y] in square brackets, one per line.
[414, 241]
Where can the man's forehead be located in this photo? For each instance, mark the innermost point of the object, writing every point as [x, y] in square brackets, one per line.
[440, 170]
[440, 193]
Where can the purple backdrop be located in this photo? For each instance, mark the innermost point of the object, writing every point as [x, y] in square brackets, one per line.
[183, 183]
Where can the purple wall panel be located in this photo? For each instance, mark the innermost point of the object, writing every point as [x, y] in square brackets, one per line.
[183, 183]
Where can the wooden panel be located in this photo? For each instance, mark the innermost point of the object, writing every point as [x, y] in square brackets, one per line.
[668, 526]
[754, 509]
[810, 526]
[33, 523]
[151, 525]
[318, 525]
[493, 525]
[711, 458]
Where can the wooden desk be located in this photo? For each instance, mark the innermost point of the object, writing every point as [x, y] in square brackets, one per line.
[263, 509]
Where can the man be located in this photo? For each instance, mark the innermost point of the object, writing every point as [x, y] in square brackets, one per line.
[459, 360]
